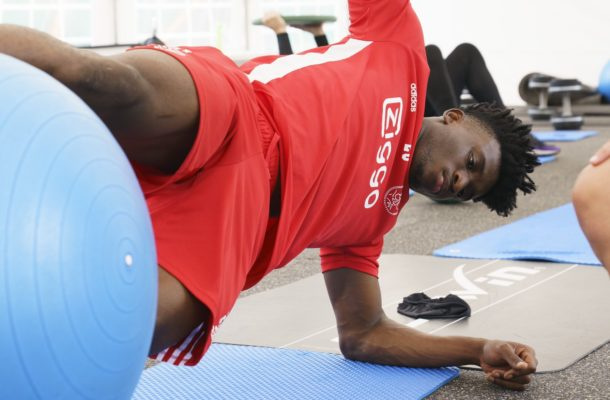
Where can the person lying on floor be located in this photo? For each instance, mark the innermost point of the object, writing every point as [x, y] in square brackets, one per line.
[243, 168]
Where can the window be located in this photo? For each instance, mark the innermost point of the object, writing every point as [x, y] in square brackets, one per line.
[226, 24]
[69, 20]
[218, 23]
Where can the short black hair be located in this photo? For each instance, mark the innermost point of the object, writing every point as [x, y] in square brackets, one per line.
[517, 160]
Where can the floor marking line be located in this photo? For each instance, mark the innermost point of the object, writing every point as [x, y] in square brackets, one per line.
[383, 306]
[308, 336]
[507, 297]
[446, 281]
[417, 322]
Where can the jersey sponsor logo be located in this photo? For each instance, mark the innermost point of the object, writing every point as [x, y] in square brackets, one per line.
[282, 66]
[391, 201]
[413, 88]
[391, 118]
[406, 152]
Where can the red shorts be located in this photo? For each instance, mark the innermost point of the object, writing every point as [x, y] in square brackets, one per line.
[209, 218]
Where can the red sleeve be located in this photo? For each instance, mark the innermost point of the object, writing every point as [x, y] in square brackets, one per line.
[384, 20]
[361, 258]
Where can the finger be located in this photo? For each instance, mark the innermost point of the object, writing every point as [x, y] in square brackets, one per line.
[508, 354]
[508, 384]
[601, 155]
[514, 375]
[530, 358]
[498, 373]
[509, 374]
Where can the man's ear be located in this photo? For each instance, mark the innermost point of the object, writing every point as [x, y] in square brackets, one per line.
[453, 115]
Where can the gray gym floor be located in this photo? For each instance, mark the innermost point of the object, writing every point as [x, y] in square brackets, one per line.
[425, 225]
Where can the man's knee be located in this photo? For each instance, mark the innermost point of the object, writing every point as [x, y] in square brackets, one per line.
[178, 313]
[434, 54]
[469, 51]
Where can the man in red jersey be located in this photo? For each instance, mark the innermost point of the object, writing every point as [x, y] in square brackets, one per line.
[244, 168]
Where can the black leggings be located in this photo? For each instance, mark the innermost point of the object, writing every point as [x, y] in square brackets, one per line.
[463, 68]
[283, 42]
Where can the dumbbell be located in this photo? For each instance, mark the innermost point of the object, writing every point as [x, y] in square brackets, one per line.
[566, 88]
[540, 83]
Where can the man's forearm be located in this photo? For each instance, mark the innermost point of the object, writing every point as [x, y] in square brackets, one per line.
[391, 343]
[367, 334]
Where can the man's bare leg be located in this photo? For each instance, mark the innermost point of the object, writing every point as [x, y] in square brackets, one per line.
[178, 313]
[145, 97]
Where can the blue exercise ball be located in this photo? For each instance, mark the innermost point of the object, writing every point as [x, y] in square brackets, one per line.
[604, 81]
[78, 273]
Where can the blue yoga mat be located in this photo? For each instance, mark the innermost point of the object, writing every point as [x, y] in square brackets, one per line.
[552, 235]
[546, 159]
[563, 136]
[246, 372]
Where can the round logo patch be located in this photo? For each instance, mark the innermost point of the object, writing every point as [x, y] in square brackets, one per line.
[391, 201]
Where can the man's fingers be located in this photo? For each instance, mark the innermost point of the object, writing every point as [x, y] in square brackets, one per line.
[514, 375]
[511, 358]
[529, 356]
[522, 379]
[601, 155]
[510, 374]
[513, 384]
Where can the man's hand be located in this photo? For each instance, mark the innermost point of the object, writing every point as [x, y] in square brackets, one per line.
[601, 155]
[274, 20]
[508, 364]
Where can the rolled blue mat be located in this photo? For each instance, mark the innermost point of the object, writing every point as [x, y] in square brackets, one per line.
[553, 235]
[248, 372]
[563, 136]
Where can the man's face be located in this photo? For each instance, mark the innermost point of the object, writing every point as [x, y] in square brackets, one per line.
[455, 158]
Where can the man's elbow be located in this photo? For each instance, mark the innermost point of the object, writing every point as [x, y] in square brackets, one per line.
[355, 346]
[350, 348]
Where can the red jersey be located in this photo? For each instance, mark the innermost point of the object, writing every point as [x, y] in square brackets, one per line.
[348, 115]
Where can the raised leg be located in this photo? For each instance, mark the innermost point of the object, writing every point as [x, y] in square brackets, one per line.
[440, 95]
[145, 97]
[467, 69]
[178, 313]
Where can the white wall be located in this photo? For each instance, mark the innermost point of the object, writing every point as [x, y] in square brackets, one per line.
[569, 39]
